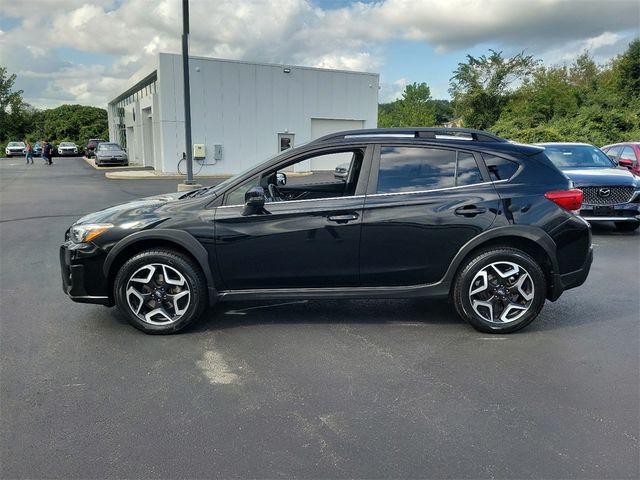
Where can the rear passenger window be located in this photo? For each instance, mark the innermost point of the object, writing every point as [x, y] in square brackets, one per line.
[467, 172]
[410, 169]
[499, 168]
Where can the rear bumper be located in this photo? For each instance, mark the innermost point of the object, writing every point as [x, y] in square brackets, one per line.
[566, 281]
[81, 270]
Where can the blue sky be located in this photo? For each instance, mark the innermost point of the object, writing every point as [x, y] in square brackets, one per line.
[75, 51]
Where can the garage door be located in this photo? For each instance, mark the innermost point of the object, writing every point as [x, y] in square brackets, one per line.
[323, 126]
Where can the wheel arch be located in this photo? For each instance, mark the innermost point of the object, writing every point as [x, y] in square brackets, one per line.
[178, 240]
[531, 240]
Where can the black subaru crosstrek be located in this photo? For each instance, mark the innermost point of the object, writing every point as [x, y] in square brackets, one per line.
[420, 212]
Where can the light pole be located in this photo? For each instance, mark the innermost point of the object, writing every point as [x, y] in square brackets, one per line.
[187, 91]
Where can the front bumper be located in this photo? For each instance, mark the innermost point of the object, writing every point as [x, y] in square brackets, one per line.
[111, 161]
[624, 212]
[82, 277]
[64, 153]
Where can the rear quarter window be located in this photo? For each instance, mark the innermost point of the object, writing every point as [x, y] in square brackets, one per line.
[500, 168]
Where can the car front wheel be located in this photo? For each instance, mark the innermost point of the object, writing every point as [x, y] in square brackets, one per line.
[500, 290]
[160, 291]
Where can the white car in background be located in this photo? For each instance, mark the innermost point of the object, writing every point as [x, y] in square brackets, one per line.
[67, 148]
[14, 148]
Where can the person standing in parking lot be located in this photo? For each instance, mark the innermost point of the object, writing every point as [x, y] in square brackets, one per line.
[47, 152]
[28, 151]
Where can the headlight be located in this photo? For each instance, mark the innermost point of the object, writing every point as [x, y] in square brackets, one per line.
[86, 233]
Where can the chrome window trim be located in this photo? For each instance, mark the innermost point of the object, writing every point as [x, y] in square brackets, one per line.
[375, 194]
[436, 189]
[298, 201]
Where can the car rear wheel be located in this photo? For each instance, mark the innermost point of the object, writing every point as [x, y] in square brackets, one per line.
[500, 290]
[627, 226]
[160, 291]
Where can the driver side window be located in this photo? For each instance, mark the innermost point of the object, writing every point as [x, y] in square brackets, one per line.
[326, 175]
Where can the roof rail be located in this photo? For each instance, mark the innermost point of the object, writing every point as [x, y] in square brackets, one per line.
[436, 133]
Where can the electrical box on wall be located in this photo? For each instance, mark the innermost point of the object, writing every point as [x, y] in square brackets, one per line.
[217, 153]
[198, 150]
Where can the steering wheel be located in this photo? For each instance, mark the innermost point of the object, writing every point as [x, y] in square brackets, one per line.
[275, 193]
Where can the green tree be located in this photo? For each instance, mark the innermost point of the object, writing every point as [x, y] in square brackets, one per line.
[11, 106]
[628, 67]
[482, 86]
[414, 109]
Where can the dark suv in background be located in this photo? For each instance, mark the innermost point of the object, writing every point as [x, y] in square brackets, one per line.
[90, 149]
[450, 213]
[611, 193]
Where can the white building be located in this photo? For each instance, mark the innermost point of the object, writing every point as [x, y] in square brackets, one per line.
[241, 112]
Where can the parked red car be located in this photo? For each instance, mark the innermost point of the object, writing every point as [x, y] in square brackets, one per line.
[626, 154]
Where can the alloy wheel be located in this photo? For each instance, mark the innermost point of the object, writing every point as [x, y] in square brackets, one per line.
[501, 292]
[158, 294]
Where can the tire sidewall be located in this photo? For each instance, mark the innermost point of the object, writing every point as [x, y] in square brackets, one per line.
[463, 302]
[192, 276]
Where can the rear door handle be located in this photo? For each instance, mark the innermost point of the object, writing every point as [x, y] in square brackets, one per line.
[469, 210]
[348, 217]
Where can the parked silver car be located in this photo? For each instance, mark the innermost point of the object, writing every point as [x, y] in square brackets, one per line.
[110, 154]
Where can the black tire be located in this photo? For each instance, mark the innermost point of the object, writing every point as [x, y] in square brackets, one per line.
[176, 261]
[627, 226]
[484, 259]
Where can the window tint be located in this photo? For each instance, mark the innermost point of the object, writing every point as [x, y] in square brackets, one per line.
[499, 168]
[628, 154]
[409, 169]
[467, 172]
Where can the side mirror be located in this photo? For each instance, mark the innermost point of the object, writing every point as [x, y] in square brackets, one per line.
[254, 201]
[281, 179]
[625, 162]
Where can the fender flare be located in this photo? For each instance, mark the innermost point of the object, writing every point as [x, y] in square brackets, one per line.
[180, 238]
[534, 234]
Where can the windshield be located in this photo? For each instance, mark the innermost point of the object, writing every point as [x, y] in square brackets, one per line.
[577, 156]
[67, 144]
[15, 144]
[109, 146]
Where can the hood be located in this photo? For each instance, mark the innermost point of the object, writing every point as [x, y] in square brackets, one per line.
[144, 209]
[610, 177]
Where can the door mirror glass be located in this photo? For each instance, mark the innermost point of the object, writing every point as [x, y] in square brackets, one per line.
[281, 179]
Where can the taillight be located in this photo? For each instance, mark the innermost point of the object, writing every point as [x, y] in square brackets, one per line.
[567, 199]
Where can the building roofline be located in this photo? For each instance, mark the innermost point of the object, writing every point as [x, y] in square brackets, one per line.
[265, 64]
[135, 87]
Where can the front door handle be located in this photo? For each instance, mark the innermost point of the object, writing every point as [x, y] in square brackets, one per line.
[469, 210]
[348, 217]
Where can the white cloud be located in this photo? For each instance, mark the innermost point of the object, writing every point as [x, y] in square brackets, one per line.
[291, 32]
[390, 92]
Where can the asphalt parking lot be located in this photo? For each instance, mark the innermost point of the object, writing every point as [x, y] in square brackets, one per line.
[306, 389]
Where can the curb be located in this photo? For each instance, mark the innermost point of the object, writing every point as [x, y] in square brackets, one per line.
[92, 163]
